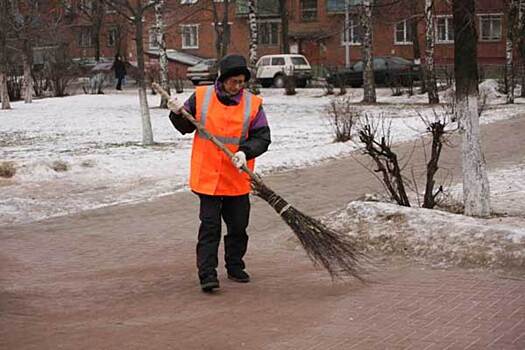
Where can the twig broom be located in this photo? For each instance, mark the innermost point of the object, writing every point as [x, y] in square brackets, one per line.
[325, 246]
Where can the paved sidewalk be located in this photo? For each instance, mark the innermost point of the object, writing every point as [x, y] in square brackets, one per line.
[124, 278]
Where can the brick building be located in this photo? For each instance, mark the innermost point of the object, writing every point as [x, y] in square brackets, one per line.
[316, 29]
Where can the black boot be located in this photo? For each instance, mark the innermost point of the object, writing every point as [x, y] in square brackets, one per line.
[239, 276]
[209, 283]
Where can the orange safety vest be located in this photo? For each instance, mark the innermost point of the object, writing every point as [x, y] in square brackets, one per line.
[212, 172]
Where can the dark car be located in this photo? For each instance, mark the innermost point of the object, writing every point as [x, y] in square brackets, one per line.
[204, 71]
[389, 70]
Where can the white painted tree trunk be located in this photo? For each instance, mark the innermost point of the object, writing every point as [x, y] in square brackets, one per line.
[163, 56]
[147, 132]
[369, 88]
[4, 95]
[28, 81]
[430, 74]
[476, 191]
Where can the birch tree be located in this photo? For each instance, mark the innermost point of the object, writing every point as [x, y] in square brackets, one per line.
[160, 30]
[252, 23]
[476, 193]
[134, 12]
[430, 73]
[512, 36]
[367, 52]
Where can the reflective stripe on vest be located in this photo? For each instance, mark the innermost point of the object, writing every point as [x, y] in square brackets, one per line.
[245, 123]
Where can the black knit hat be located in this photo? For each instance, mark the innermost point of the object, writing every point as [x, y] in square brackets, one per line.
[233, 65]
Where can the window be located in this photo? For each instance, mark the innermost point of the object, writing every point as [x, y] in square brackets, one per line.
[355, 32]
[86, 6]
[268, 33]
[188, 1]
[445, 30]
[308, 10]
[338, 6]
[490, 27]
[403, 33]
[190, 36]
[277, 61]
[154, 39]
[112, 37]
[265, 61]
[84, 37]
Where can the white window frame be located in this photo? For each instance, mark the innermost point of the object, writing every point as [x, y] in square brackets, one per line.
[112, 30]
[153, 39]
[85, 37]
[268, 22]
[449, 28]
[352, 26]
[183, 43]
[405, 31]
[481, 16]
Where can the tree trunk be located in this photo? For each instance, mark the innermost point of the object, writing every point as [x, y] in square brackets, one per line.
[252, 19]
[225, 40]
[285, 42]
[521, 43]
[4, 27]
[252, 23]
[512, 35]
[430, 74]
[163, 56]
[368, 57]
[4, 96]
[28, 78]
[147, 132]
[476, 193]
[97, 20]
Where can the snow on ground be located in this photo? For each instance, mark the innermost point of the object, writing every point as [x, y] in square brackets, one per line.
[98, 138]
[441, 237]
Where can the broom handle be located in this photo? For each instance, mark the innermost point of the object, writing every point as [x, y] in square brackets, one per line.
[205, 132]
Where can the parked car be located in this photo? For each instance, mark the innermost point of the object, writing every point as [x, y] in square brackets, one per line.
[204, 71]
[272, 69]
[389, 70]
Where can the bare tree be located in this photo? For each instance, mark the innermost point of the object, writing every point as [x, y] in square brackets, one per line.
[134, 12]
[367, 49]
[511, 43]
[378, 145]
[476, 193]
[430, 74]
[160, 31]
[221, 27]
[285, 42]
[521, 43]
[5, 31]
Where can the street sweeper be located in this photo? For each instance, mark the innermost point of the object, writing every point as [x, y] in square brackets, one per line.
[236, 118]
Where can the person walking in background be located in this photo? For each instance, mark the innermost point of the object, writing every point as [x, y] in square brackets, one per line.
[236, 117]
[120, 71]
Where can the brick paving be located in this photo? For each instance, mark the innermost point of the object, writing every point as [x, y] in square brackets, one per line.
[124, 278]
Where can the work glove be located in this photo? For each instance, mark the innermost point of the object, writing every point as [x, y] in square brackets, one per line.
[175, 105]
[239, 159]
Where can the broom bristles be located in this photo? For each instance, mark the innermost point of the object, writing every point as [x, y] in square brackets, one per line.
[335, 251]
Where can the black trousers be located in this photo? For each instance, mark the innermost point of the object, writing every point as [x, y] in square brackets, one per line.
[235, 211]
[119, 83]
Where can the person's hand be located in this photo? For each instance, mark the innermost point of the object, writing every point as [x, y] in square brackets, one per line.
[175, 105]
[239, 159]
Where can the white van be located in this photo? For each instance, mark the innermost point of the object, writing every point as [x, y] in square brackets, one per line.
[271, 69]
